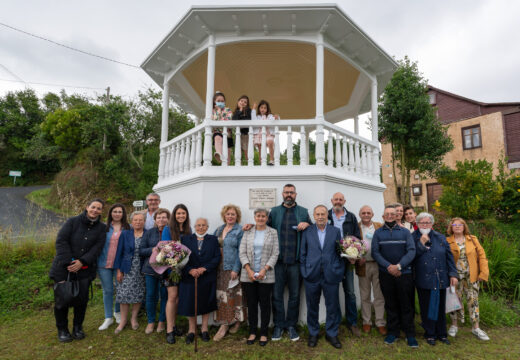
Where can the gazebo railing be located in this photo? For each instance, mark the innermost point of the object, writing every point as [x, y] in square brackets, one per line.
[336, 148]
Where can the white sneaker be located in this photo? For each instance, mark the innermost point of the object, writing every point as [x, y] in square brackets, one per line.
[478, 332]
[453, 330]
[106, 324]
[118, 317]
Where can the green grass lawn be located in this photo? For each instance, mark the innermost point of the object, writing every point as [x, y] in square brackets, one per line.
[34, 337]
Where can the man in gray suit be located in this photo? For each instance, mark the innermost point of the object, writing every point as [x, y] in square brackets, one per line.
[322, 270]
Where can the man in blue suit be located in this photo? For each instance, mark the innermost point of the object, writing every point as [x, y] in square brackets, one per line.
[322, 269]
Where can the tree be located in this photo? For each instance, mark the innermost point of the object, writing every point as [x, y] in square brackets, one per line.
[408, 122]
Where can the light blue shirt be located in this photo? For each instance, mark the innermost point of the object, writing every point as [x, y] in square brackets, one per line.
[338, 222]
[321, 236]
[258, 246]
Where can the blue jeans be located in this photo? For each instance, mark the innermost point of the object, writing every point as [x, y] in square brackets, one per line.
[350, 295]
[153, 289]
[286, 274]
[107, 277]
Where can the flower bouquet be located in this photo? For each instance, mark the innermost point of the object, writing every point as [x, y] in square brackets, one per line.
[170, 255]
[353, 248]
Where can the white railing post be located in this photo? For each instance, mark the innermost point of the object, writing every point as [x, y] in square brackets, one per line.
[193, 150]
[187, 155]
[330, 150]
[208, 146]
[276, 146]
[376, 163]
[370, 170]
[225, 147]
[338, 151]
[172, 161]
[238, 147]
[351, 159]
[177, 157]
[167, 162]
[320, 146]
[263, 151]
[289, 147]
[181, 156]
[198, 153]
[357, 156]
[250, 148]
[303, 146]
[364, 167]
[345, 153]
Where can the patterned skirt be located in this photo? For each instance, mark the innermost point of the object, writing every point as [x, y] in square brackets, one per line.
[231, 302]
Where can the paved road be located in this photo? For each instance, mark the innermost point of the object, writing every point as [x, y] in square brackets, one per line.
[20, 218]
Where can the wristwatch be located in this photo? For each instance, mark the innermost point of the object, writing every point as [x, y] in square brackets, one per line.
[399, 267]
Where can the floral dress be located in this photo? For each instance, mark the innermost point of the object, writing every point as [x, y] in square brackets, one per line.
[231, 302]
[466, 287]
[131, 289]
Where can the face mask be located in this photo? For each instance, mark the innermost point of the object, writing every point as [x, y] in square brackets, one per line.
[220, 104]
[425, 231]
[390, 224]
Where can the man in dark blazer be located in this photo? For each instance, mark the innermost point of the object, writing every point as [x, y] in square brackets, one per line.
[322, 270]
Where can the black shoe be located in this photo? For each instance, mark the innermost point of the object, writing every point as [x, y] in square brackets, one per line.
[250, 342]
[170, 337]
[444, 340]
[77, 333]
[262, 343]
[430, 341]
[313, 341]
[177, 331]
[333, 340]
[64, 336]
[190, 338]
[205, 336]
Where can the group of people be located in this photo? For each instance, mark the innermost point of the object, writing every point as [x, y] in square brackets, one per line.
[243, 111]
[241, 270]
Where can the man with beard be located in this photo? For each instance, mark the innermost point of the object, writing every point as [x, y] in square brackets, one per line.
[347, 224]
[289, 220]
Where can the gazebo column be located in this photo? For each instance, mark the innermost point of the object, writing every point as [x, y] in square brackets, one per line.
[375, 130]
[164, 128]
[210, 77]
[320, 76]
[210, 89]
[356, 124]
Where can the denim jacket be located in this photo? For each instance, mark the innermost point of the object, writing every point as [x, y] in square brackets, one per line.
[230, 249]
[102, 259]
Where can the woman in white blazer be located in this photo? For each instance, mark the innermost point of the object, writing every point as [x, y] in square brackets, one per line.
[258, 255]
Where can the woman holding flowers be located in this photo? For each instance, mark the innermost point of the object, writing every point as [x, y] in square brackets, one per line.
[152, 278]
[230, 300]
[130, 280]
[202, 265]
[472, 266]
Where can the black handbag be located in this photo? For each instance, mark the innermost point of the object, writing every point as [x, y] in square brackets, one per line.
[65, 292]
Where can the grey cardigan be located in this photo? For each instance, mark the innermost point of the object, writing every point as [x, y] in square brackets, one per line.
[269, 253]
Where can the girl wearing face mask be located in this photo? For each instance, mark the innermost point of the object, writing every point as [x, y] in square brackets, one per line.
[435, 271]
[221, 113]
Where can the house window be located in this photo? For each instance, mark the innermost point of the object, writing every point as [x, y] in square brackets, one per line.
[433, 98]
[471, 138]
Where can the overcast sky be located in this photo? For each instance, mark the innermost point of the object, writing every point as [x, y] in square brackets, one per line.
[469, 47]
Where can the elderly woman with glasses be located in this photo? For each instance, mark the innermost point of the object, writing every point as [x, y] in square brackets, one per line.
[472, 266]
[434, 272]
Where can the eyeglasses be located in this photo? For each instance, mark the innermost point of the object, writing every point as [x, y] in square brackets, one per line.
[457, 225]
[289, 192]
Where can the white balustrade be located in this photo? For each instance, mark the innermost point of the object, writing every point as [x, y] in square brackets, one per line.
[346, 152]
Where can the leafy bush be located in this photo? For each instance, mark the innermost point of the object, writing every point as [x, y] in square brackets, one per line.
[469, 191]
[509, 207]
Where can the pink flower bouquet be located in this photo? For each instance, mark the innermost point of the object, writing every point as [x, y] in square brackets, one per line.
[353, 248]
[170, 254]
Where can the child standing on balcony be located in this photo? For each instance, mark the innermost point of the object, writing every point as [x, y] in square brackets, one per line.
[221, 113]
[243, 112]
[264, 113]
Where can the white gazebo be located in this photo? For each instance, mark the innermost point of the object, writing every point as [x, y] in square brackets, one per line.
[313, 64]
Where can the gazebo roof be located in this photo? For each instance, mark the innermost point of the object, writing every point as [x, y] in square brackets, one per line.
[269, 52]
